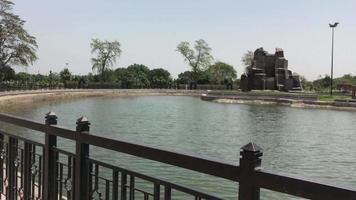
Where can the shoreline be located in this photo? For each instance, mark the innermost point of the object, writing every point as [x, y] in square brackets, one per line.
[294, 103]
[24, 97]
[13, 98]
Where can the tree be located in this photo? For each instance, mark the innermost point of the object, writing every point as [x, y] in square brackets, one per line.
[17, 46]
[138, 75]
[106, 54]
[6, 73]
[53, 79]
[184, 77]
[23, 77]
[247, 59]
[323, 83]
[65, 75]
[306, 85]
[221, 73]
[198, 58]
[159, 78]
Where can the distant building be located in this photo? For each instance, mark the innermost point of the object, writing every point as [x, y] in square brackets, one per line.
[269, 72]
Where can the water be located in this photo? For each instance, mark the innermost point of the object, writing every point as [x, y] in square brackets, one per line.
[313, 143]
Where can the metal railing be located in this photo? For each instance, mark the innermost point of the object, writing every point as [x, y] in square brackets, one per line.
[32, 170]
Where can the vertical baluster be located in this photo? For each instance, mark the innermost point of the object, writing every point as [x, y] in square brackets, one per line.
[2, 152]
[96, 175]
[11, 168]
[33, 171]
[123, 186]
[132, 187]
[167, 193]
[107, 190]
[115, 185]
[56, 175]
[146, 196]
[156, 191]
[22, 175]
[82, 164]
[16, 165]
[27, 170]
[91, 174]
[6, 169]
[50, 160]
[70, 177]
[60, 181]
[40, 177]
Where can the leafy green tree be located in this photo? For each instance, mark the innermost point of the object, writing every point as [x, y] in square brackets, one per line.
[159, 78]
[53, 79]
[65, 75]
[199, 57]
[122, 76]
[346, 79]
[23, 77]
[17, 46]
[106, 54]
[222, 73]
[138, 75]
[323, 83]
[204, 77]
[184, 77]
[247, 59]
[110, 76]
[6, 73]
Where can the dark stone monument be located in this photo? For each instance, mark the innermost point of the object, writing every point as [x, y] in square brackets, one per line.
[269, 72]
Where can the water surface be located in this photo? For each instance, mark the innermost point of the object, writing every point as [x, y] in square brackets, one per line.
[314, 143]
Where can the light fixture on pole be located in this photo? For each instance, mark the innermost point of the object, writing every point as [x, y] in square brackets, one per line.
[332, 26]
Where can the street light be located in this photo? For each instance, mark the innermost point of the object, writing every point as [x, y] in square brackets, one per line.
[332, 26]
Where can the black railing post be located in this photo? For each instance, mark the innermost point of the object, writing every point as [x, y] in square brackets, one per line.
[82, 169]
[50, 175]
[249, 162]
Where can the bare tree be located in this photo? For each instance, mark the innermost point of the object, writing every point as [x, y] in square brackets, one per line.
[247, 59]
[106, 54]
[198, 58]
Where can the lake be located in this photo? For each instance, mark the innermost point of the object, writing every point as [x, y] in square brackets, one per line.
[313, 143]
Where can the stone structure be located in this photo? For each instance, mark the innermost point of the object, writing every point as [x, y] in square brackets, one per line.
[269, 72]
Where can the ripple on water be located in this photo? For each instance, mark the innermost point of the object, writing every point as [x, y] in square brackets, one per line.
[312, 143]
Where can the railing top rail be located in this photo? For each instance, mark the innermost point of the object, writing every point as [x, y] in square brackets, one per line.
[302, 187]
[58, 131]
[190, 161]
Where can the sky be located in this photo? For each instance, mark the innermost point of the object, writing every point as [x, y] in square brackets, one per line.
[149, 32]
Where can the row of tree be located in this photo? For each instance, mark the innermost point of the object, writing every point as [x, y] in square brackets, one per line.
[18, 47]
[322, 84]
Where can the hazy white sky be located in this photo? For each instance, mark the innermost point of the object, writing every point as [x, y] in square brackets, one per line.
[150, 30]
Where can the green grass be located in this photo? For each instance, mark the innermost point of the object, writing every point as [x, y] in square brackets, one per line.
[332, 98]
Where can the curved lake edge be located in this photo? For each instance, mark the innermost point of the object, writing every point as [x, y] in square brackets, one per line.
[24, 97]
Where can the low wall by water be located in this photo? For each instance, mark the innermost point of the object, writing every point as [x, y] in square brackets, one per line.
[18, 97]
[293, 101]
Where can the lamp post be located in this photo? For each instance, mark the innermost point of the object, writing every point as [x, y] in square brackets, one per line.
[332, 26]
